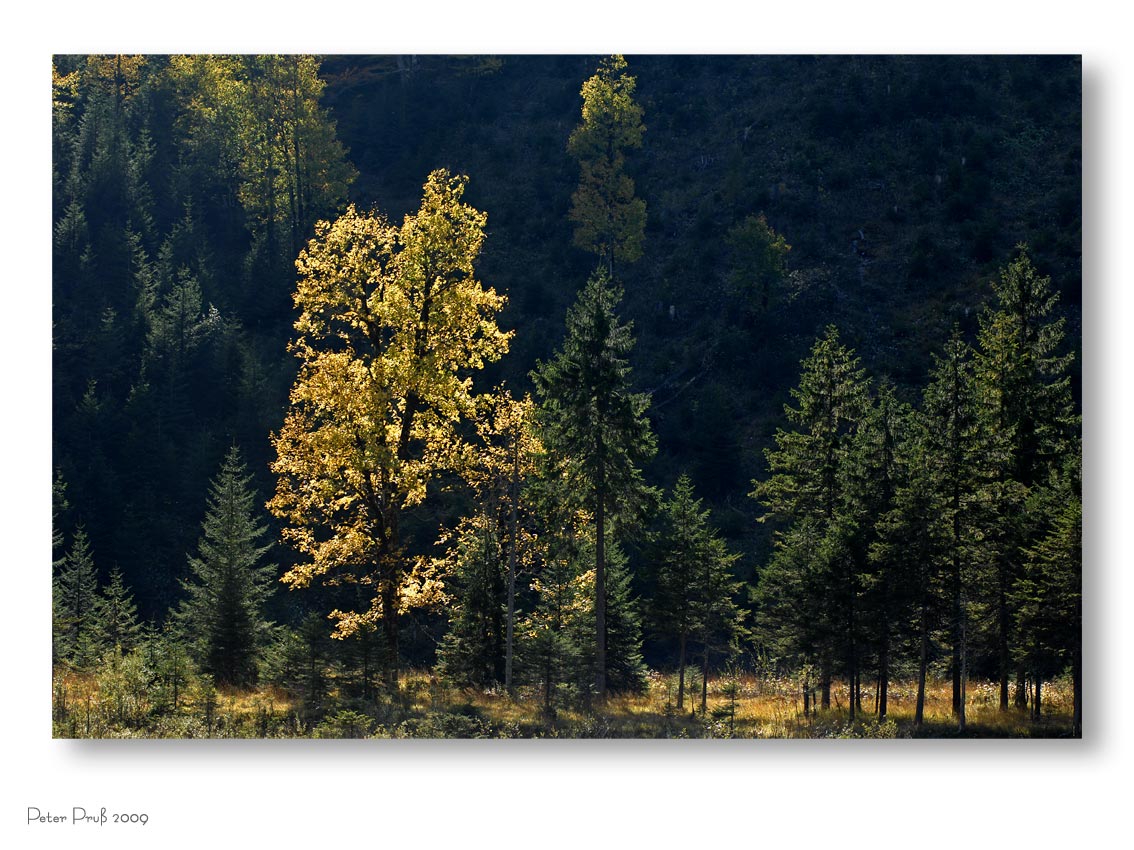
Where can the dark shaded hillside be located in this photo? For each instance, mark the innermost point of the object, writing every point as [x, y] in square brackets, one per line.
[901, 183]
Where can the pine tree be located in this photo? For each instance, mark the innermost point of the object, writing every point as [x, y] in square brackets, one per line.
[1026, 388]
[596, 428]
[222, 616]
[76, 593]
[118, 616]
[473, 650]
[488, 549]
[909, 552]
[695, 592]
[811, 584]
[555, 636]
[961, 450]
[1048, 594]
[874, 476]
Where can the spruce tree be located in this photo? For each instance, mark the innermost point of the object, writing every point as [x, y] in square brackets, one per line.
[555, 636]
[596, 428]
[77, 610]
[222, 617]
[909, 553]
[961, 449]
[1048, 594]
[118, 616]
[811, 583]
[472, 651]
[694, 597]
[1026, 388]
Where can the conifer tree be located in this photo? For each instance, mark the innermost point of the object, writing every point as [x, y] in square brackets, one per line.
[78, 610]
[1026, 389]
[473, 650]
[811, 583]
[1048, 594]
[625, 669]
[595, 428]
[694, 598]
[961, 449]
[500, 467]
[119, 628]
[874, 476]
[222, 617]
[555, 636]
[909, 551]
[609, 220]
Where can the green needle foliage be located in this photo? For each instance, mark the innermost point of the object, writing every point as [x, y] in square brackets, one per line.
[118, 616]
[596, 427]
[77, 605]
[222, 618]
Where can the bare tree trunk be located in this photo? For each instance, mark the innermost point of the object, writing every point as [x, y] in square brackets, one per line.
[1077, 692]
[923, 663]
[681, 674]
[512, 564]
[705, 679]
[964, 668]
[600, 580]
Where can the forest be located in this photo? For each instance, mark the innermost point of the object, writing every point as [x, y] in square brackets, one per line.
[566, 396]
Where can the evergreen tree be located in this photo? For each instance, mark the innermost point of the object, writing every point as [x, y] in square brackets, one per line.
[76, 593]
[961, 449]
[874, 476]
[596, 428]
[472, 651]
[1026, 387]
[222, 617]
[811, 583]
[694, 596]
[1048, 594]
[118, 616]
[908, 554]
[625, 669]
[494, 544]
[555, 636]
[715, 608]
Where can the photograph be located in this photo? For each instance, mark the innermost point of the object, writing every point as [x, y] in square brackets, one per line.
[566, 396]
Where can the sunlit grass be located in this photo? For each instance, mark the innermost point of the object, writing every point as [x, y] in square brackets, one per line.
[744, 706]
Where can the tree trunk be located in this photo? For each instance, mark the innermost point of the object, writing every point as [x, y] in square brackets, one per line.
[1021, 689]
[1039, 702]
[1077, 692]
[923, 663]
[825, 685]
[600, 599]
[512, 565]
[705, 679]
[883, 676]
[681, 674]
[963, 669]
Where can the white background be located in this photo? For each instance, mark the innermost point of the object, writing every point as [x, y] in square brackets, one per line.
[594, 794]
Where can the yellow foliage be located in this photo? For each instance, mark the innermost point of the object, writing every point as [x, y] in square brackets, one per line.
[391, 321]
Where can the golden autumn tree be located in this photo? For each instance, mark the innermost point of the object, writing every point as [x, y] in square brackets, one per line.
[392, 321]
[609, 220]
